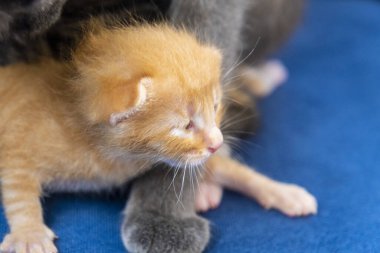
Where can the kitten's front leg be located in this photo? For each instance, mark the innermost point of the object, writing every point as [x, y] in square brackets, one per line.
[290, 199]
[20, 193]
[160, 216]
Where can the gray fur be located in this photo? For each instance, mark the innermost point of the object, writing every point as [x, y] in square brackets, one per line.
[21, 19]
[31, 28]
[267, 25]
[271, 22]
[237, 27]
[21, 25]
[160, 216]
[217, 22]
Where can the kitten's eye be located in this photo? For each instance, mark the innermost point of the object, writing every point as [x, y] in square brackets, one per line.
[190, 125]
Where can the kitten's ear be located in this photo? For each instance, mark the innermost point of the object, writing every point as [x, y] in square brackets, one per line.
[131, 99]
[112, 99]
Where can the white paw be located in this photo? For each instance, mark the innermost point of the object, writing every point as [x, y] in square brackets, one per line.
[263, 80]
[208, 197]
[37, 240]
[274, 72]
[290, 199]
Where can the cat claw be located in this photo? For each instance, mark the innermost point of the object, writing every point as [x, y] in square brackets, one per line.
[292, 200]
[208, 197]
[29, 241]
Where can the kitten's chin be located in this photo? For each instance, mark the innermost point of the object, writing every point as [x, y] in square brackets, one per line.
[187, 162]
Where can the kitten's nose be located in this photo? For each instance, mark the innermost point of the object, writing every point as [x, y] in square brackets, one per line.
[214, 149]
[214, 139]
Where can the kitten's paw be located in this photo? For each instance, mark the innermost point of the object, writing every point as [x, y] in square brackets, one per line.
[290, 199]
[29, 240]
[154, 233]
[263, 80]
[208, 197]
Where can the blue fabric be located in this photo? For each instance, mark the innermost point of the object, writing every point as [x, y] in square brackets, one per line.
[320, 130]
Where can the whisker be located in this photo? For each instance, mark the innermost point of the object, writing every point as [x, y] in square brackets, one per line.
[192, 180]
[196, 176]
[232, 122]
[245, 58]
[183, 182]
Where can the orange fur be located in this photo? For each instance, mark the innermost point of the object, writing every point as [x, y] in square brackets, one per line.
[122, 104]
[290, 199]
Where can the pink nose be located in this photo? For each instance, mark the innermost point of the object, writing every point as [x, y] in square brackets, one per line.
[215, 148]
[214, 139]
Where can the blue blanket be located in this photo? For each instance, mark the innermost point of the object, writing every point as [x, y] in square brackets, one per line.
[320, 130]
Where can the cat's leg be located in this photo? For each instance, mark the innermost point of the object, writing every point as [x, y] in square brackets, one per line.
[290, 199]
[21, 201]
[160, 215]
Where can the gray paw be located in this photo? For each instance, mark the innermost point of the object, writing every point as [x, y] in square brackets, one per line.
[154, 233]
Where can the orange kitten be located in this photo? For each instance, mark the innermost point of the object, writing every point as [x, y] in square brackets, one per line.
[141, 95]
[129, 98]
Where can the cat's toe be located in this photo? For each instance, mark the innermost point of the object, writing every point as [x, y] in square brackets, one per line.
[308, 201]
[7, 245]
[304, 202]
[215, 195]
[201, 203]
[208, 197]
[155, 233]
[291, 200]
[29, 241]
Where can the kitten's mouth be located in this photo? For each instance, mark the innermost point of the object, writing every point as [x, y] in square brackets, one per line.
[189, 161]
[196, 163]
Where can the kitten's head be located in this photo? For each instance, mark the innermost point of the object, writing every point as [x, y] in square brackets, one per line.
[152, 91]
